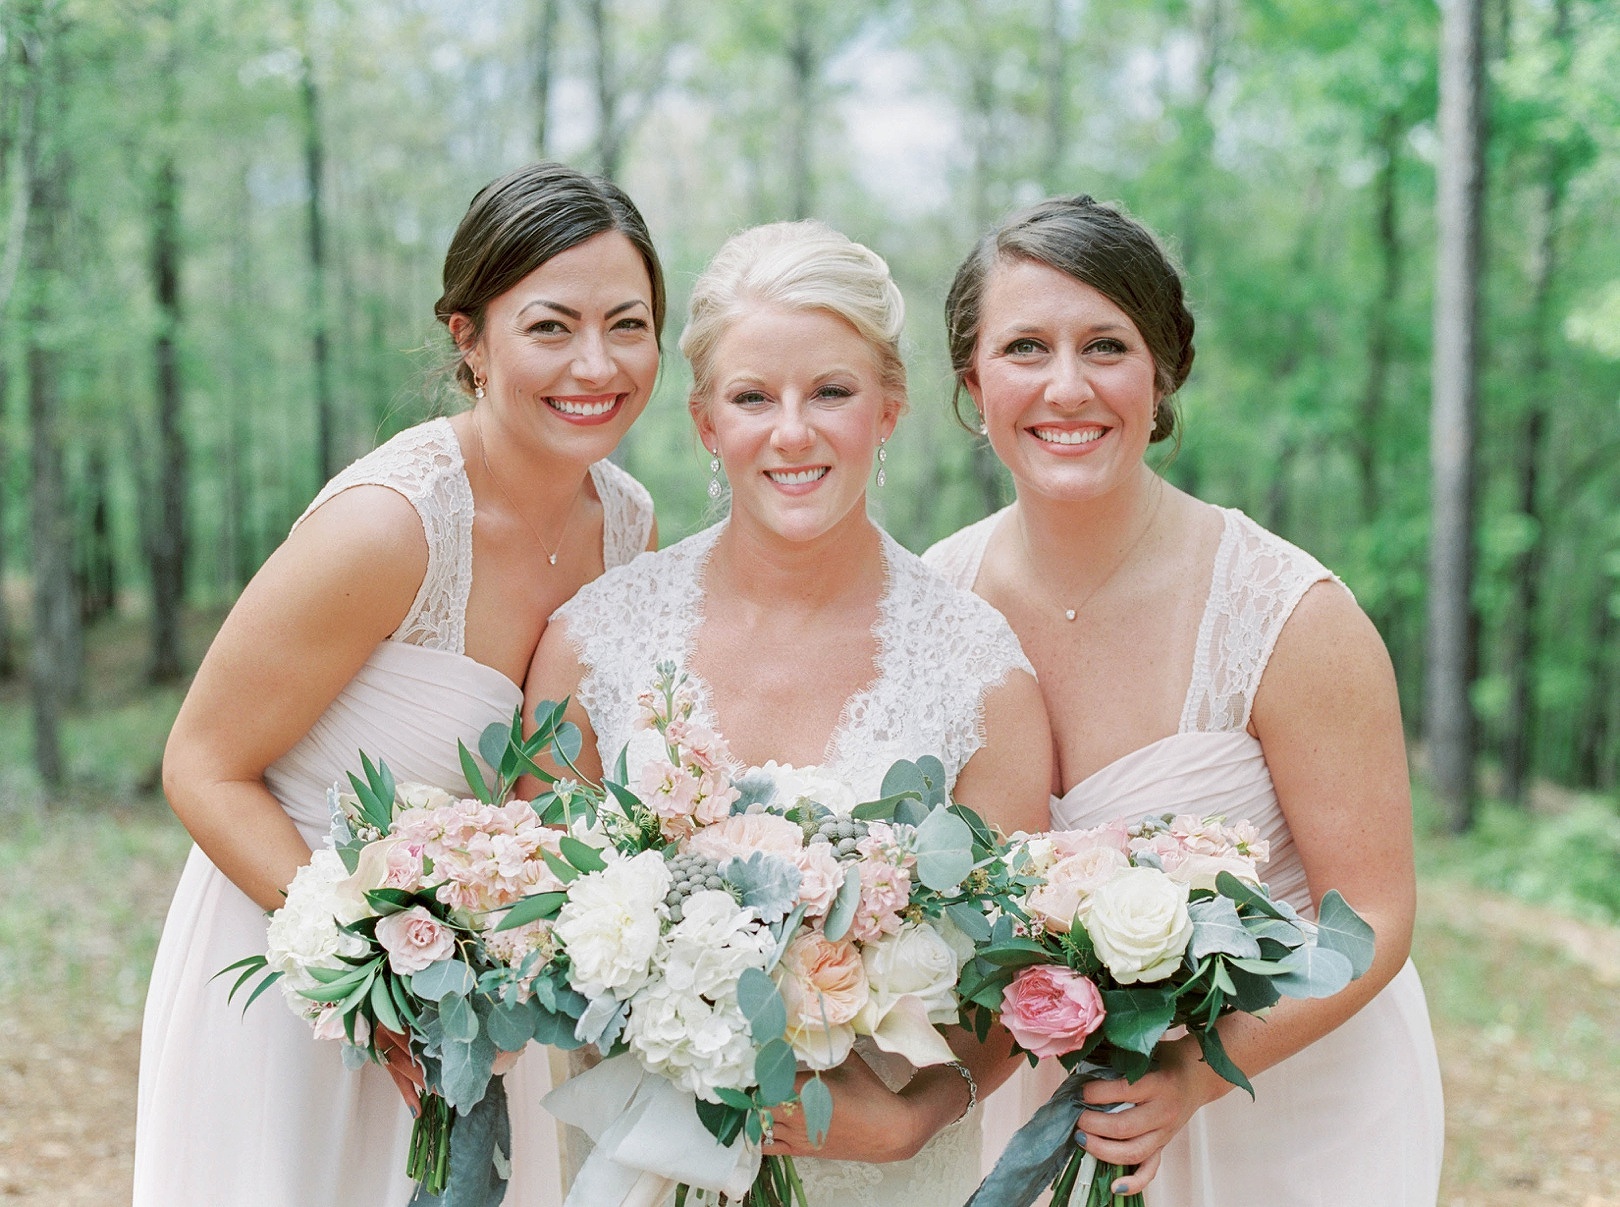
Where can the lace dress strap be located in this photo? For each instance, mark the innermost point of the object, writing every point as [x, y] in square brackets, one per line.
[627, 514]
[424, 464]
[1258, 580]
[957, 558]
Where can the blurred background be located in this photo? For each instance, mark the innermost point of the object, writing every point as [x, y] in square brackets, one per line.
[221, 229]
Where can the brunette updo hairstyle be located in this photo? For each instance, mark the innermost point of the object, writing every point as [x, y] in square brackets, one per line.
[799, 266]
[517, 223]
[1100, 246]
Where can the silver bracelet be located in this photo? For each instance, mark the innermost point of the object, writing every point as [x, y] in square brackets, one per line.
[972, 1085]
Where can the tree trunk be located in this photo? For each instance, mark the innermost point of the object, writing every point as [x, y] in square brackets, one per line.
[1381, 322]
[1210, 22]
[1055, 68]
[97, 569]
[985, 467]
[544, 57]
[608, 149]
[1451, 639]
[166, 541]
[320, 352]
[802, 70]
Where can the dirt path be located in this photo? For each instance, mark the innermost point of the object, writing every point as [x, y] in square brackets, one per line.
[1526, 1016]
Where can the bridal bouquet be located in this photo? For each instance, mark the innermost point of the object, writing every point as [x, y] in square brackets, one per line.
[400, 926]
[1122, 933]
[719, 936]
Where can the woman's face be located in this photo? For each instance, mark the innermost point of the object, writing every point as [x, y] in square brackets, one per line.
[1064, 381]
[568, 355]
[796, 413]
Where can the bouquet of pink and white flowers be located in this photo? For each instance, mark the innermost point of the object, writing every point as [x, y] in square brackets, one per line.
[728, 934]
[399, 927]
[1120, 934]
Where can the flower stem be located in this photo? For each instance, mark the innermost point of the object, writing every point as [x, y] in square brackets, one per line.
[429, 1160]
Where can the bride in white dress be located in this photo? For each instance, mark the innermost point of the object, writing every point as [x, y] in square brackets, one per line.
[814, 638]
[1193, 662]
[398, 617]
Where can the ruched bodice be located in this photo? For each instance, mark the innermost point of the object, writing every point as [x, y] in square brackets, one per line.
[248, 1108]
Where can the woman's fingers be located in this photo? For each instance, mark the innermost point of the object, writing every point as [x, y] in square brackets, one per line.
[1137, 1180]
[395, 1050]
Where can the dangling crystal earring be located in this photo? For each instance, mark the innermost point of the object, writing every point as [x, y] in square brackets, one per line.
[714, 474]
[883, 455]
[478, 386]
[984, 428]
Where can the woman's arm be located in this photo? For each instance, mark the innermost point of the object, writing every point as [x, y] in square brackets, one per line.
[1328, 717]
[308, 620]
[555, 673]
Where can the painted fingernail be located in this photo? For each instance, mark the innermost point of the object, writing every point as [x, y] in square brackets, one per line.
[1080, 1139]
[1119, 1186]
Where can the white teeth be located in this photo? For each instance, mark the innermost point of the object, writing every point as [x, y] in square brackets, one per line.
[584, 410]
[1054, 435]
[797, 477]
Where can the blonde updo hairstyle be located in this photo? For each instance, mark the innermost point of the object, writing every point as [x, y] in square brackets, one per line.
[797, 266]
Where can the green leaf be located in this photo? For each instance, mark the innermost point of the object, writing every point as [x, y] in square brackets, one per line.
[816, 1099]
[581, 854]
[734, 1098]
[722, 1122]
[842, 914]
[904, 778]
[761, 1004]
[970, 920]
[1250, 992]
[1209, 1042]
[1341, 929]
[566, 743]
[767, 884]
[475, 777]
[492, 743]
[562, 870]
[1137, 1018]
[1243, 893]
[389, 900]
[944, 848]
[459, 1019]
[444, 979]
[260, 988]
[533, 908]
[511, 1024]
[382, 1006]
[1218, 929]
[774, 1070]
[1313, 972]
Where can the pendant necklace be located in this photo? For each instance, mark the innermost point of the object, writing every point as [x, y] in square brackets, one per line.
[1071, 612]
[483, 455]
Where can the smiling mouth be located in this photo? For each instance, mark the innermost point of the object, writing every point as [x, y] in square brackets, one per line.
[583, 410]
[1052, 435]
[797, 477]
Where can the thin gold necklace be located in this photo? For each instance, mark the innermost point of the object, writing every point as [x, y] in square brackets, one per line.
[483, 455]
[1071, 613]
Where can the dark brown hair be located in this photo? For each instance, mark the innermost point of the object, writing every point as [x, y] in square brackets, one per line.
[1100, 246]
[517, 223]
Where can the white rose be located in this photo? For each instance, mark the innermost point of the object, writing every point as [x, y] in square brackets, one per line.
[611, 925]
[1139, 924]
[915, 961]
[421, 796]
[307, 930]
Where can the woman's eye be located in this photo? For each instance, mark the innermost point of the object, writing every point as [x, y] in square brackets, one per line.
[547, 327]
[835, 393]
[749, 398]
[1023, 347]
[636, 325]
[1106, 347]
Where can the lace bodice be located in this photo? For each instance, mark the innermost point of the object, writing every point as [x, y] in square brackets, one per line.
[1258, 579]
[424, 464]
[939, 651]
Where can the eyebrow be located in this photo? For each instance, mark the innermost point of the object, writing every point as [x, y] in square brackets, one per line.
[576, 315]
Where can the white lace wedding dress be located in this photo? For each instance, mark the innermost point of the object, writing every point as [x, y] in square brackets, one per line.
[939, 651]
[1356, 1118]
[249, 1109]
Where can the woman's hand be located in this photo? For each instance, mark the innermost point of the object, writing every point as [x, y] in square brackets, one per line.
[395, 1050]
[1161, 1104]
[870, 1122]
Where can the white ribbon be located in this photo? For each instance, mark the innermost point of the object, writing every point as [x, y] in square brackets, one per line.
[648, 1139]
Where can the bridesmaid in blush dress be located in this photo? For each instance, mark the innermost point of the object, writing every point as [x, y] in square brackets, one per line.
[398, 617]
[1193, 662]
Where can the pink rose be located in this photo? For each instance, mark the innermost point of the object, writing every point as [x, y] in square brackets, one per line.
[413, 939]
[1069, 885]
[823, 877]
[404, 866]
[1050, 1010]
[823, 986]
[745, 833]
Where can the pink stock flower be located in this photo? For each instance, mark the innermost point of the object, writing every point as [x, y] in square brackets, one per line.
[885, 892]
[413, 939]
[1051, 1010]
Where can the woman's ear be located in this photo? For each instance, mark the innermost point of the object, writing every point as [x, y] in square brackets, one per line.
[465, 333]
[698, 408]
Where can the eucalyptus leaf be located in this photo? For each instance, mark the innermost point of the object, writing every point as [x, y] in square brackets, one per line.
[492, 743]
[933, 773]
[464, 1071]
[842, 914]
[1218, 929]
[555, 1029]
[774, 1071]
[443, 979]
[970, 920]
[816, 1099]
[1244, 894]
[904, 777]
[944, 849]
[459, 1018]
[1313, 972]
[1274, 930]
[1137, 1018]
[1339, 928]
[511, 1024]
[566, 743]
[761, 1003]
[909, 812]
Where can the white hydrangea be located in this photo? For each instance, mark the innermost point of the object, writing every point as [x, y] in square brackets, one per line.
[715, 940]
[611, 925]
[307, 930]
[796, 785]
[699, 1045]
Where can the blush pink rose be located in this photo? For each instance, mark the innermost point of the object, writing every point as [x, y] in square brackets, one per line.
[1051, 1010]
[413, 939]
[745, 833]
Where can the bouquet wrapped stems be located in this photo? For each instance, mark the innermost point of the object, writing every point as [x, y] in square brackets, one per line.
[429, 1160]
[1097, 1178]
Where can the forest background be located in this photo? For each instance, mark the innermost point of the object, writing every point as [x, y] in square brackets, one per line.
[222, 224]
